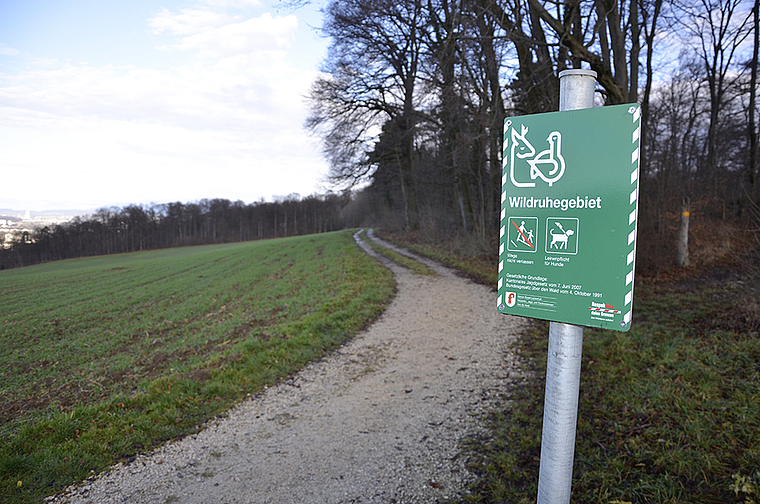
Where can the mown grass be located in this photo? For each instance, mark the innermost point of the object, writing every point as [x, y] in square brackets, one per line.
[669, 412]
[106, 357]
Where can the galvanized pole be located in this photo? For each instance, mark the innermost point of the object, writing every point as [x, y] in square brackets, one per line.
[563, 367]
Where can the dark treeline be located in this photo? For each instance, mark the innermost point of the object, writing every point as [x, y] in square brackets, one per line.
[415, 94]
[146, 227]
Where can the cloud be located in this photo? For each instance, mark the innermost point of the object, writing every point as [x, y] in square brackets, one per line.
[226, 124]
[255, 34]
[188, 21]
[215, 35]
[233, 3]
[6, 50]
[246, 76]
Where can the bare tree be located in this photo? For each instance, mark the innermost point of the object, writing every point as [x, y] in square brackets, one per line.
[650, 16]
[751, 122]
[597, 33]
[717, 29]
[373, 62]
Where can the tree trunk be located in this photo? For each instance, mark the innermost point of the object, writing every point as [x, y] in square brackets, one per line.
[605, 77]
[633, 91]
[753, 190]
[495, 125]
[649, 35]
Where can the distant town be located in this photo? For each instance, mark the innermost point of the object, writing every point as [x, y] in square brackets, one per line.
[18, 226]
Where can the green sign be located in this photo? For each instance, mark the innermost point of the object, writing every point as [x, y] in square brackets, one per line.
[568, 216]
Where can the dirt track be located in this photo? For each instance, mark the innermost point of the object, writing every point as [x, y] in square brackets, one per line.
[378, 421]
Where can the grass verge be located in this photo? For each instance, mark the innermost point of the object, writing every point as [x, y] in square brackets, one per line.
[103, 358]
[479, 267]
[399, 259]
[669, 412]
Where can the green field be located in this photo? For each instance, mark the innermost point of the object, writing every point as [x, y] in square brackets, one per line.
[106, 357]
[669, 412]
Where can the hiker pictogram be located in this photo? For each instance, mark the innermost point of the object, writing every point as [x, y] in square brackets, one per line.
[522, 234]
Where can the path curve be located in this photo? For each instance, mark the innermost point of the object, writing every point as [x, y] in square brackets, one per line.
[380, 420]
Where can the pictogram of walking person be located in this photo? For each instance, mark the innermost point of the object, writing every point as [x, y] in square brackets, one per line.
[524, 236]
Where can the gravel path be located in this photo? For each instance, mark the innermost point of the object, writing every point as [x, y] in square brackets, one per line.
[378, 421]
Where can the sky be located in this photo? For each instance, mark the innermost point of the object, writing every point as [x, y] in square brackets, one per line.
[111, 103]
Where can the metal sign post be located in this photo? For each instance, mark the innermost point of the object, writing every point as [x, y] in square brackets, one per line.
[563, 366]
[563, 380]
[569, 207]
[568, 221]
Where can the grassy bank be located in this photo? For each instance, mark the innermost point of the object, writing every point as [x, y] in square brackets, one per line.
[462, 255]
[669, 412]
[106, 357]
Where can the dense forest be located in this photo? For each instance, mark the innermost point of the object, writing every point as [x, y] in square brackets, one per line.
[412, 100]
[414, 96]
